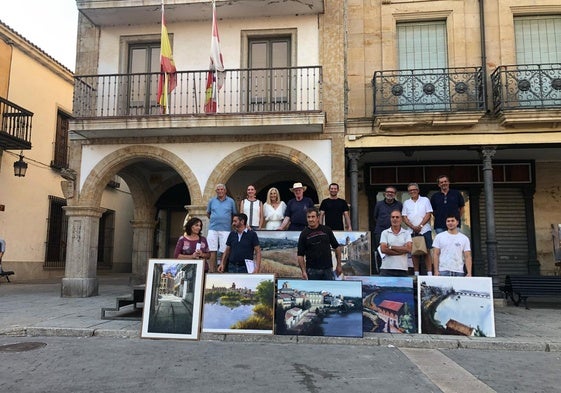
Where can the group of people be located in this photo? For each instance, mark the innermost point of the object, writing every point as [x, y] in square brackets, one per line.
[449, 254]
[234, 235]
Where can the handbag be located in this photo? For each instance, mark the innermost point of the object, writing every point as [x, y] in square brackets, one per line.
[419, 246]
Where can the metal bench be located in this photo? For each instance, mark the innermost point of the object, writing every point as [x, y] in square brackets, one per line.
[519, 288]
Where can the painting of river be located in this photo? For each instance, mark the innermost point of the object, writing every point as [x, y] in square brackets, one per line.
[388, 304]
[238, 303]
[456, 306]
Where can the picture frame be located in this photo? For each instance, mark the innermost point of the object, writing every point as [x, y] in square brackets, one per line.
[279, 253]
[388, 304]
[318, 308]
[173, 299]
[456, 306]
[239, 303]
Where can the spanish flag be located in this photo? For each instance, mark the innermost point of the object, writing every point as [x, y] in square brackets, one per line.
[168, 76]
[215, 77]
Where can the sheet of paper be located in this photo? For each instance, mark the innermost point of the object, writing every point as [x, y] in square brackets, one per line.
[250, 265]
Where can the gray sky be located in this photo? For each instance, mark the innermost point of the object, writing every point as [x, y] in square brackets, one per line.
[49, 24]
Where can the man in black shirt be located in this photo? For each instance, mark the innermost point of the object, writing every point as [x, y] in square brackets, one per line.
[335, 210]
[242, 246]
[315, 244]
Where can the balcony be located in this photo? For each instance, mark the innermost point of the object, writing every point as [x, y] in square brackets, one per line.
[15, 129]
[527, 94]
[251, 101]
[438, 97]
[115, 13]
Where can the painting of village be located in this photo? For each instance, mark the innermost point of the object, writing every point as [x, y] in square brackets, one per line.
[239, 303]
[278, 253]
[319, 308]
[172, 304]
[388, 304]
[456, 306]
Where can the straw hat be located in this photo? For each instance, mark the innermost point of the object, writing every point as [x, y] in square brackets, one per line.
[298, 185]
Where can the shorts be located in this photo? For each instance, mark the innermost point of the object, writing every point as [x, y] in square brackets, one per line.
[217, 240]
[449, 273]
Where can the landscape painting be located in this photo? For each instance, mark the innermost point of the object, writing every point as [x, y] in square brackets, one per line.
[388, 304]
[173, 298]
[239, 303]
[319, 308]
[278, 253]
[456, 306]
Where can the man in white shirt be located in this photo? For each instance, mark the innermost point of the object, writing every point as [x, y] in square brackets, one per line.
[395, 244]
[452, 250]
[417, 213]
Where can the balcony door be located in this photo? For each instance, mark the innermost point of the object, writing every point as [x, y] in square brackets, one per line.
[423, 58]
[269, 77]
[538, 56]
[142, 86]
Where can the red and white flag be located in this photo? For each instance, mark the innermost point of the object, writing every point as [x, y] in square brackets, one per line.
[167, 80]
[215, 77]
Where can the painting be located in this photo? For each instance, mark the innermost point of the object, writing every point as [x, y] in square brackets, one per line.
[456, 306]
[239, 303]
[173, 299]
[388, 304]
[279, 248]
[319, 308]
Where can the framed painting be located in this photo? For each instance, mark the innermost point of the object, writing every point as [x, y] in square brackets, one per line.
[456, 306]
[388, 304]
[279, 248]
[173, 299]
[319, 308]
[239, 303]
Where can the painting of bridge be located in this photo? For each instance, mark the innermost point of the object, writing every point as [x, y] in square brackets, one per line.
[279, 248]
[388, 304]
[456, 306]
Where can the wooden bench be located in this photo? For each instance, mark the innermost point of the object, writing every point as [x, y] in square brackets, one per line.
[519, 288]
[6, 274]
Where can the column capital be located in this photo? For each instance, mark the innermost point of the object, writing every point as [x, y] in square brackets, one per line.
[354, 154]
[84, 211]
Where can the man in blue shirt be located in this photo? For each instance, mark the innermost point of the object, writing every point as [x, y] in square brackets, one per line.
[220, 211]
[446, 201]
[242, 246]
[296, 208]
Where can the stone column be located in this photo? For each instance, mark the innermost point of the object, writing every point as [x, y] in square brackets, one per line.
[142, 247]
[487, 153]
[354, 156]
[80, 275]
[199, 211]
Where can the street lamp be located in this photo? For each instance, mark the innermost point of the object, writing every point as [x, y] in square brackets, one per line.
[20, 167]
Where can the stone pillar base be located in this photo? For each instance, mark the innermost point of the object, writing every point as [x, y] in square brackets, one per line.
[79, 287]
[137, 279]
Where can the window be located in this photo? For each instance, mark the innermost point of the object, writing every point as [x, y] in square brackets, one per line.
[106, 239]
[423, 58]
[143, 59]
[60, 159]
[56, 234]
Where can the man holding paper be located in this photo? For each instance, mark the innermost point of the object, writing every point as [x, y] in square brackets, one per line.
[243, 253]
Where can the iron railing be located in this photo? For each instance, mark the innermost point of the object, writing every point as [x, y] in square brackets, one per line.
[257, 90]
[15, 128]
[527, 86]
[426, 90]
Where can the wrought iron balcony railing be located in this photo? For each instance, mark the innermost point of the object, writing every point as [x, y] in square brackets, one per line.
[15, 129]
[258, 90]
[428, 90]
[527, 86]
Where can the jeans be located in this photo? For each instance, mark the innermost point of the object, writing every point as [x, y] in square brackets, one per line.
[393, 273]
[439, 230]
[449, 273]
[320, 274]
[237, 268]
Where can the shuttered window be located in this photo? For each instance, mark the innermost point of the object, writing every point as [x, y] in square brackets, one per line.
[422, 45]
[537, 39]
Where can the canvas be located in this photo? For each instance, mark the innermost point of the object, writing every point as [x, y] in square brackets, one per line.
[279, 248]
[456, 305]
[319, 308]
[239, 303]
[388, 304]
[173, 298]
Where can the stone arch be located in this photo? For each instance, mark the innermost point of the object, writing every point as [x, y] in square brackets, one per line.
[109, 166]
[231, 163]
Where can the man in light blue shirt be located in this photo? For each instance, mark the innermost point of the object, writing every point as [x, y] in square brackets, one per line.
[220, 211]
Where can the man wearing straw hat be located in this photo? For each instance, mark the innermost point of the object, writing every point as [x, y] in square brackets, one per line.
[296, 208]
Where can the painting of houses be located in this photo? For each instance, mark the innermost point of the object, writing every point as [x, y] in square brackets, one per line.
[239, 303]
[279, 250]
[318, 308]
[456, 306]
[387, 304]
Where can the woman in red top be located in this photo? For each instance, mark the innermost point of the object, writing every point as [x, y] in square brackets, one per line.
[192, 245]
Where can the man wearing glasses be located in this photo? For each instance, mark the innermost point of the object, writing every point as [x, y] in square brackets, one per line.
[382, 212]
[416, 213]
[446, 201]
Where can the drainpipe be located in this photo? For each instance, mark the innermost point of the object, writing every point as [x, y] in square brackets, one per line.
[483, 52]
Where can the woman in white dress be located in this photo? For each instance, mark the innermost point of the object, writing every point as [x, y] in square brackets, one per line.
[253, 208]
[273, 209]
